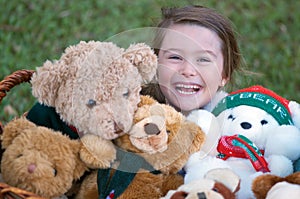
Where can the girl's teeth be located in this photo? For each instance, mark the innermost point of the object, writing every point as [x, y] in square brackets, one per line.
[187, 89]
[187, 86]
[186, 93]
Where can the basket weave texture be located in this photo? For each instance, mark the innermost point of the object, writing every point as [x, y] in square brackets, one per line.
[10, 81]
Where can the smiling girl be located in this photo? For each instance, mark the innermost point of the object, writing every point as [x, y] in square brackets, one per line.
[197, 52]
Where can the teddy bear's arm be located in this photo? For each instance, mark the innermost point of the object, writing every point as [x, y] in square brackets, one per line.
[97, 152]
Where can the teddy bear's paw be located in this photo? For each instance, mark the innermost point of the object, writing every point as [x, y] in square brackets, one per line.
[295, 110]
[97, 152]
[210, 126]
[280, 165]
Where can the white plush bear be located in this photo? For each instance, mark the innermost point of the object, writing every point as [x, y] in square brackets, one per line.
[258, 134]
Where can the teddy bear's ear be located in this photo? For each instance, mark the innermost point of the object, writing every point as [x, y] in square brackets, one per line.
[13, 129]
[293, 178]
[263, 183]
[225, 176]
[146, 100]
[143, 57]
[45, 82]
[48, 79]
[295, 111]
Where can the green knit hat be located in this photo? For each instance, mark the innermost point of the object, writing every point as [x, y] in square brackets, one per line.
[260, 97]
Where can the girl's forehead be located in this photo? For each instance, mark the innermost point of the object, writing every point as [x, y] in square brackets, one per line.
[191, 37]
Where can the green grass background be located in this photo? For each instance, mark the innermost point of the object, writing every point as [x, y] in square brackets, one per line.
[32, 31]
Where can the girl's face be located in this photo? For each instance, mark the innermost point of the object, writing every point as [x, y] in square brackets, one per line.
[190, 66]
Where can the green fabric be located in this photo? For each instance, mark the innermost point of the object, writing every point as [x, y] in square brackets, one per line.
[251, 155]
[259, 100]
[46, 116]
[130, 164]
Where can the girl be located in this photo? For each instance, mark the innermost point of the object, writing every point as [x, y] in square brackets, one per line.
[198, 53]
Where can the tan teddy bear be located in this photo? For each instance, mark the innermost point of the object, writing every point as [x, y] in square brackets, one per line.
[92, 91]
[149, 156]
[39, 160]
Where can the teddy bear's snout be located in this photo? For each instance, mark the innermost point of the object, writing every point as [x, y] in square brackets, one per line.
[119, 127]
[151, 129]
[31, 168]
[246, 125]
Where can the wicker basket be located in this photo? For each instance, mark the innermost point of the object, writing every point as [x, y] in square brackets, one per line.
[10, 81]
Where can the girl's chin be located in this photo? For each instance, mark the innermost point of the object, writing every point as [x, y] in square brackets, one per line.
[186, 106]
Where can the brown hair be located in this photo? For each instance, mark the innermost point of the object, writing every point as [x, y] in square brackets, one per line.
[205, 17]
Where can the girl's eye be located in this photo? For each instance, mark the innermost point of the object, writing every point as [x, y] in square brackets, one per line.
[175, 57]
[203, 59]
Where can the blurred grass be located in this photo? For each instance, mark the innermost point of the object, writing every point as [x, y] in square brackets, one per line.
[32, 31]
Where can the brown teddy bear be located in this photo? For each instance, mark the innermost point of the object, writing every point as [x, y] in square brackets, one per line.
[39, 160]
[216, 183]
[92, 90]
[269, 186]
[149, 156]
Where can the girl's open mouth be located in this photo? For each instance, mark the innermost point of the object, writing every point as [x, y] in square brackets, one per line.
[187, 89]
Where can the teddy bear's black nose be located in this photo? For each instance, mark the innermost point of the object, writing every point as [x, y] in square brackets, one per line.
[246, 125]
[151, 129]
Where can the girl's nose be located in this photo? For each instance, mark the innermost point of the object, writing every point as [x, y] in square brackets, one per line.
[187, 69]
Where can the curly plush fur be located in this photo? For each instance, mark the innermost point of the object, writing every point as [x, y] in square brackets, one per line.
[183, 139]
[95, 86]
[40, 160]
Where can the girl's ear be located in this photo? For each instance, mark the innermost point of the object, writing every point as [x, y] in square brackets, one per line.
[223, 82]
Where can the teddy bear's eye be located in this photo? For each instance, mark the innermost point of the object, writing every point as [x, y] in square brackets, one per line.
[91, 103]
[263, 122]
[20, 155]
[126, 94]
[230, 117]
[54, 172]
[215, 189]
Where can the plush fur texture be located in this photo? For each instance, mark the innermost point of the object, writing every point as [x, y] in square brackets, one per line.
[270, 186]
[40, 160]
[95, 86]
[168, 156]
[280, 144]
[216, 184]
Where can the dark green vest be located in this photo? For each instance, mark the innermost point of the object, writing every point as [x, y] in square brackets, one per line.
[46, 116]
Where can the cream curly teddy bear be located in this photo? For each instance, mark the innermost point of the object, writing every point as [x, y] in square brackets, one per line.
[92, 92]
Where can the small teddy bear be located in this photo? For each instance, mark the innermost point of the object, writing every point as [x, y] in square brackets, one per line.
[217, 183]
[257, 135]
[268, 186]
[149, 156]
[40, 160]
[92, 90]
